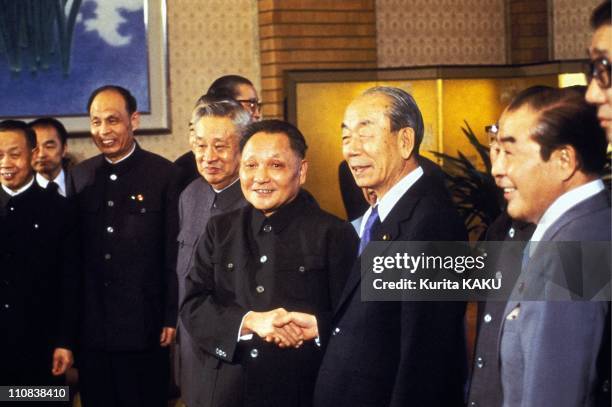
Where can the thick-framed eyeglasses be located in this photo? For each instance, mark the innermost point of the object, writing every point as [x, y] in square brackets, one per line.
[600, 69]
[252, 104]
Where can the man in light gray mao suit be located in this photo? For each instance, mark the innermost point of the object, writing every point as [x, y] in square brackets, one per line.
[553, 353]
[217, 129]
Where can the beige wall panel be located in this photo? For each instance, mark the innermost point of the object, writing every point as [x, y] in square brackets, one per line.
[440, 32]
[572, 32]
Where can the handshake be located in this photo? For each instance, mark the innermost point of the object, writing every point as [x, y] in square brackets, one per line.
[286, 329]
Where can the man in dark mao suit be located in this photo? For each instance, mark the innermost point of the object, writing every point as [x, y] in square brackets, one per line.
[554, 353]
[218, 126]
[393, 353]
[38, 290]
[280, 253]
[127, 205]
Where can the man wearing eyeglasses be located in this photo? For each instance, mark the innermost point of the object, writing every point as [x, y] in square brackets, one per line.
[599, 92]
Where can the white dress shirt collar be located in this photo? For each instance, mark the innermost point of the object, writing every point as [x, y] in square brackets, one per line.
[20, 190]
[386, 204]
[60, 180]
[563, 204]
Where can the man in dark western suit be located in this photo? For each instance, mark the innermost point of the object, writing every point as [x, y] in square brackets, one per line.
[218, 127]
[280, 253]
[127, 204]
[50, 155]
[553, 353]
[38, 292]
[393, 353]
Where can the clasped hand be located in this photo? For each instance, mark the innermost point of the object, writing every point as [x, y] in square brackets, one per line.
[286, 329]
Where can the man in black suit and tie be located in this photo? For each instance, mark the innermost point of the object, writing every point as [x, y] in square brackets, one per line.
[393, 353]
[49, 157]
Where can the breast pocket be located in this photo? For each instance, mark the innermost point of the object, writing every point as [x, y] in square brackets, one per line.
[187, 241]
[144, 217]
[303, 278]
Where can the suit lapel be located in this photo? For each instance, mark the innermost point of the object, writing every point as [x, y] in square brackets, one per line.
[389, 230]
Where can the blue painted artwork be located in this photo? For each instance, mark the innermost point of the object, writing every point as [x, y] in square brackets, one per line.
[109, 46]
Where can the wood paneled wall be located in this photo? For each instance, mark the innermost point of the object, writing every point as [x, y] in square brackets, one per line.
[311, 34]
[528, 34]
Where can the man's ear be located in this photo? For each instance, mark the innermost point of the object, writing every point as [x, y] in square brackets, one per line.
[303, 171]
[567, 161]
[135, 120]
[406, 140]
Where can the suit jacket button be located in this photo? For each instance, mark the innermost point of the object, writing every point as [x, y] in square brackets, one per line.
[386, 237]
[336, 331]
[302, 269]
[113, 177]
[107, 256]
[263, 259]
[473, 404]
[267, 228]
[605, 387]
[110, 229]
[487, 318]
[260, 289]
[254, 353]
[511, 233]
[7, 306]
[230, 266]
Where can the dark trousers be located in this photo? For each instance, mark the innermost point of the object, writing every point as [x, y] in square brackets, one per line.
[117, 379]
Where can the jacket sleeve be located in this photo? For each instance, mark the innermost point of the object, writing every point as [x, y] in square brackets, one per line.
[560, 372]
[343, 244]
[70, 277]
[171, 248]
[210, 317]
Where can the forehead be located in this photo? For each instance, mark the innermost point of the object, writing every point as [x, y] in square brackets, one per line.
[601, 42]
[367, 107]
[46, 133]
[244, 91]
[211, 126]
[12, 139]
[518, 124]
[267, 145]
[108, 101]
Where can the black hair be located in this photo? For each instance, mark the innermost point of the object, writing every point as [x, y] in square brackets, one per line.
[20, 126]
[565, 118]
[226, 87]
[129, 99]
[602, 15]
[51, 122]
[297, 141]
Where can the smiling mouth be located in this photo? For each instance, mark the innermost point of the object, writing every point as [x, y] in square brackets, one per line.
[358, 169]
[108, 142]
[263, 191]
[7, 175]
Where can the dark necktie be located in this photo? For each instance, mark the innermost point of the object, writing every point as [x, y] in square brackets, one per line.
[53, 187]
[371, 223]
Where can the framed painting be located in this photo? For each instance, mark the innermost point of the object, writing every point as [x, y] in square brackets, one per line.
[54, 53]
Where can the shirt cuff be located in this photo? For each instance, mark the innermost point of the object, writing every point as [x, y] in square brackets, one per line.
[246, 337]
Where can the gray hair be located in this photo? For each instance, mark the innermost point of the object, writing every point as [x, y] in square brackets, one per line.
[213, 107]
[403, 111]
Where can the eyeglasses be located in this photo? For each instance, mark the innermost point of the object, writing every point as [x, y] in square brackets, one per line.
[600, 69]
[252, 104]
[492, 133]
